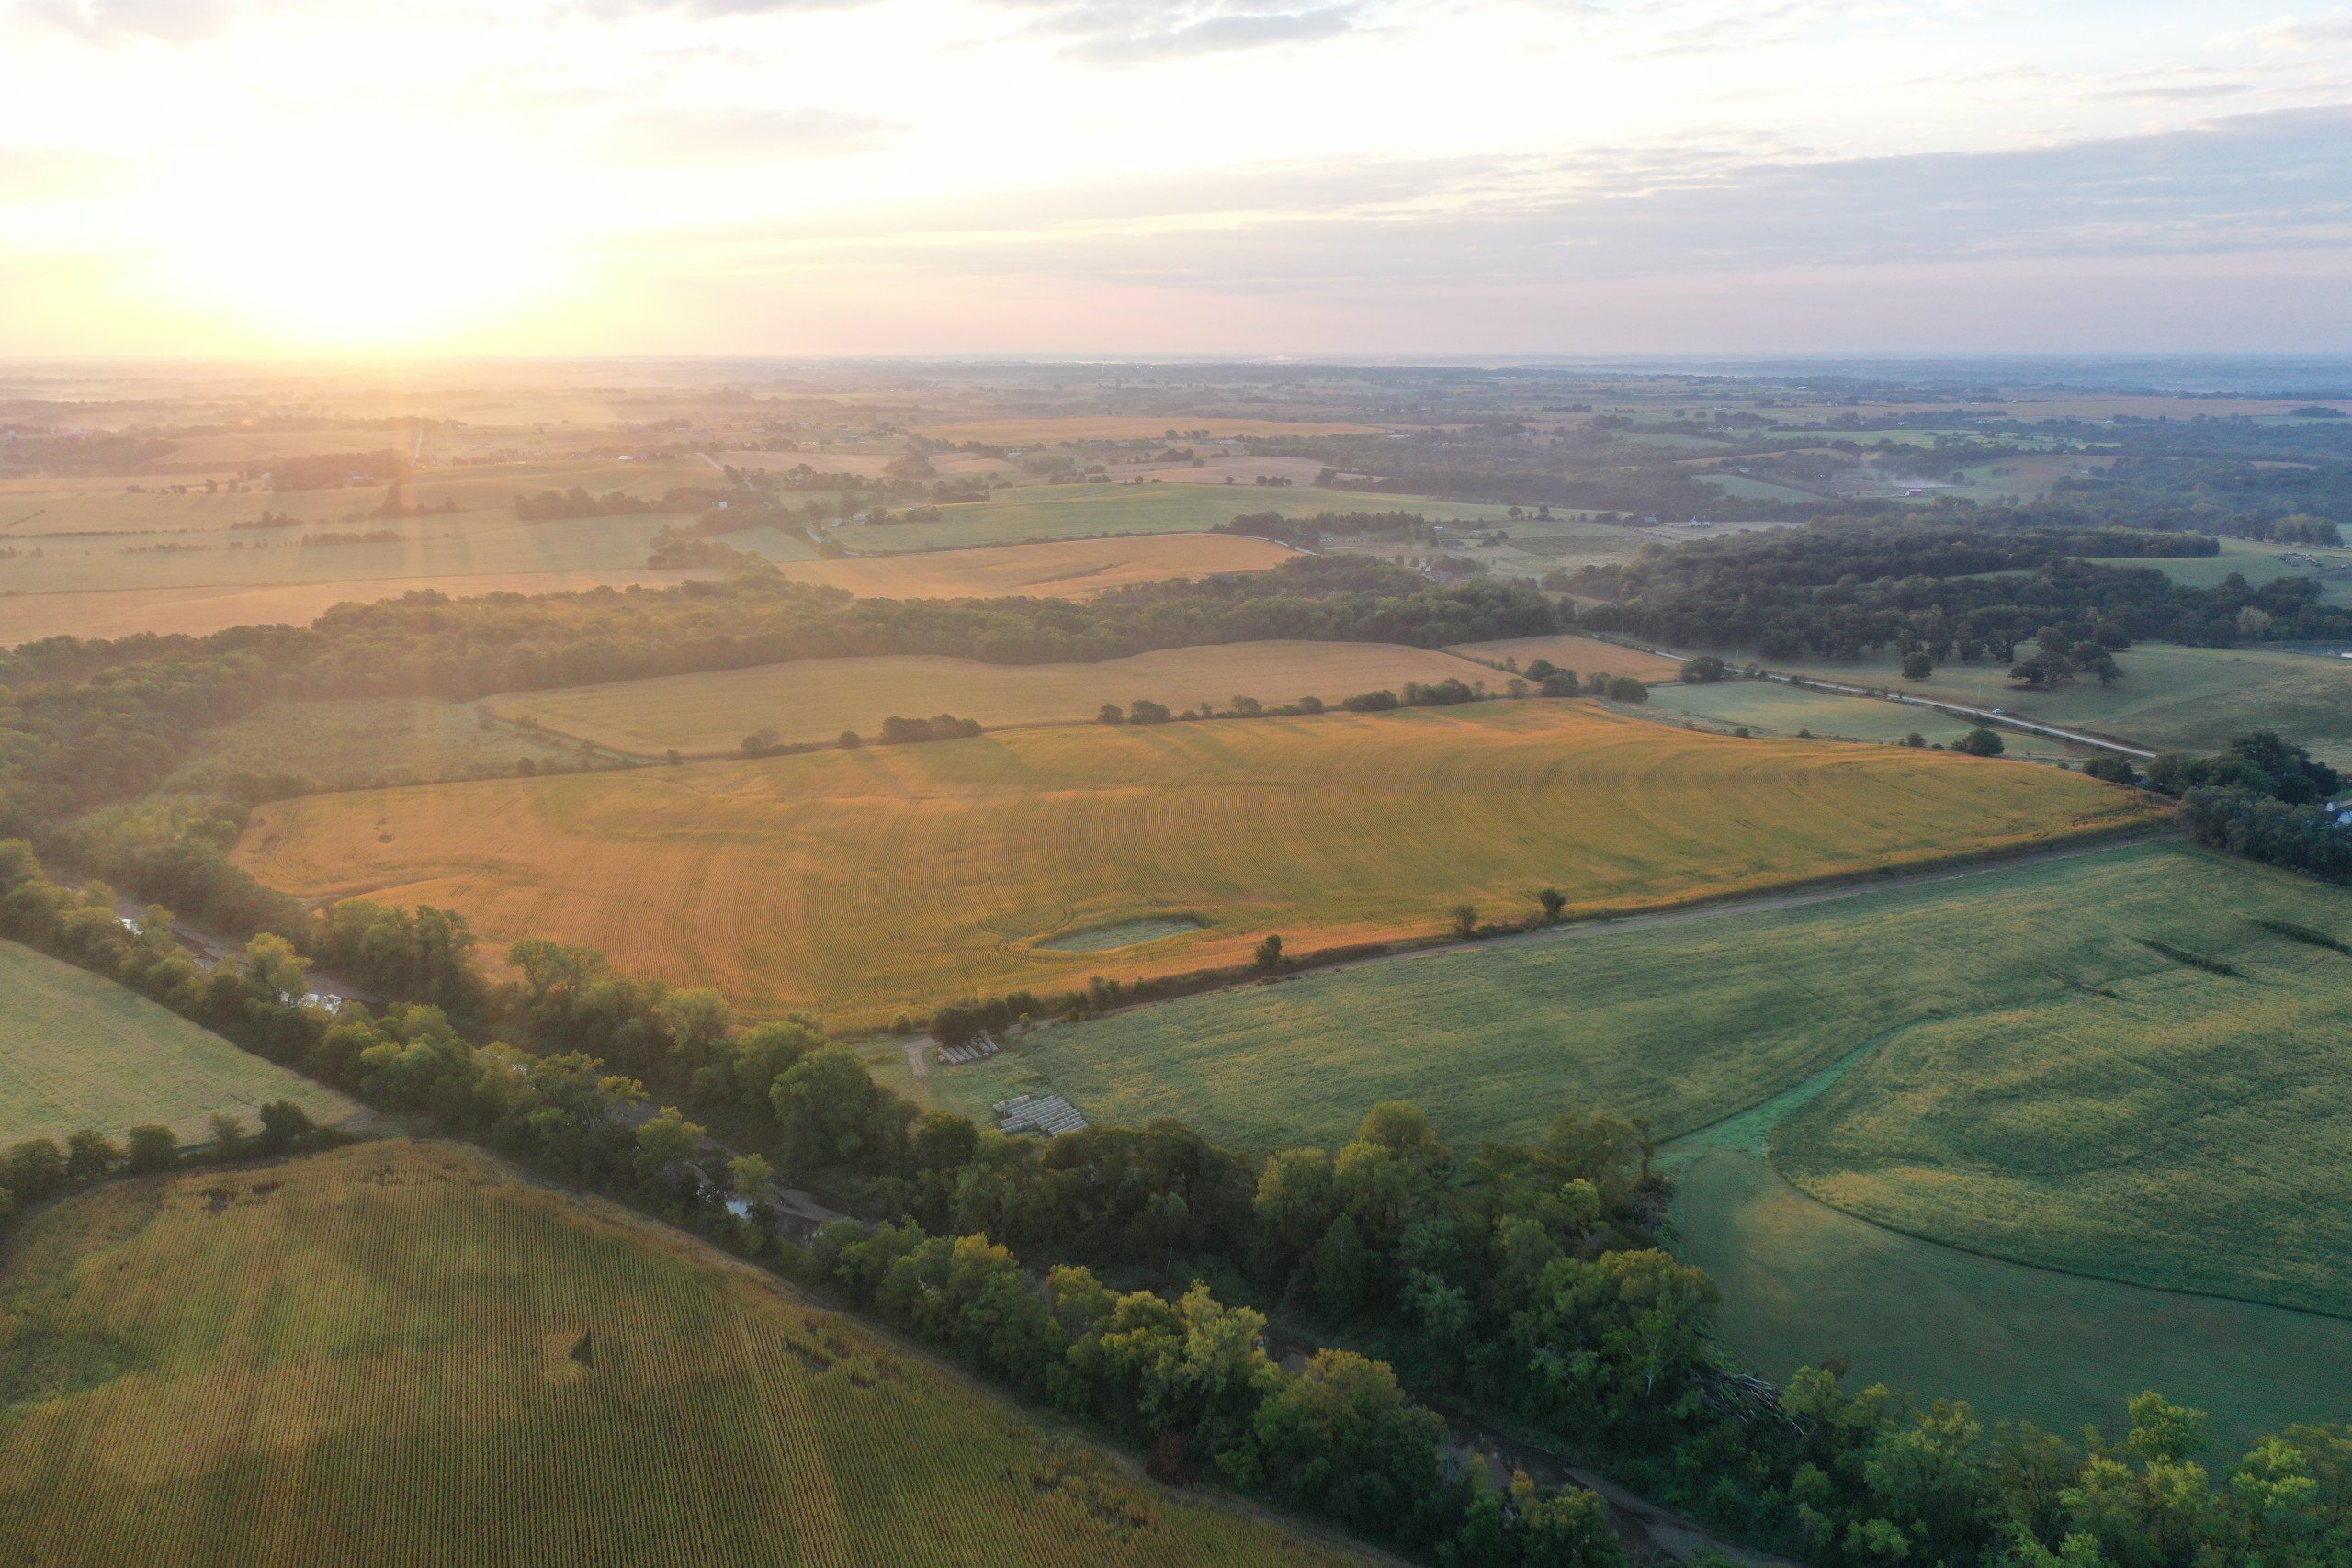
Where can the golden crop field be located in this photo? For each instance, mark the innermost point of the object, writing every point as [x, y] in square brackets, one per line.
[859, 883]
[1046, 429]
[1059, 569]
[401, 1353]
[29, 617]
[1585, 655]
[710, 714]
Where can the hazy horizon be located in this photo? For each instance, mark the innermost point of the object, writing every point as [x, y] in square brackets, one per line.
[1331, 179]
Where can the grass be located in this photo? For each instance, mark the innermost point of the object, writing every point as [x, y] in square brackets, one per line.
[2179, 1118]
[345, 745]
[857, 883]
[78, 1051]
[401, 1353]
[1065, 512]
[1066, 570]
[710, 714]
[2170, 699]
[2042, 1079]
[1802, 1283]
[197, 611]
[2259, 563]
[2022, 1076]
[1769, 708]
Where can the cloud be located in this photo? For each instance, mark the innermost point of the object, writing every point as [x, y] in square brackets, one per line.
[2247, 185]
[2296, 32]
[116, 21]
[1130, 32]
[748, 136]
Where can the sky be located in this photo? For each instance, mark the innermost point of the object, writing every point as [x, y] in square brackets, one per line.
[1261, 177]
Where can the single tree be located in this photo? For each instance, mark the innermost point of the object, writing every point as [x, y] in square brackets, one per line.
[1918, 665]
[1979, 743]
[1270, 953]
[1110, 713]
[89, 1155]
[1465, 920]
[152, 1148]
[1554, 901]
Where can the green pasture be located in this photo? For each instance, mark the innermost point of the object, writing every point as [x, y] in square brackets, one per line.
[1802, 1283]
[1073, 511]
[1993, 1059]
[2258, 562]
[2170, 698]
[1773, 707]
[79, 1050]
[1739, 486]
[2193, 1128]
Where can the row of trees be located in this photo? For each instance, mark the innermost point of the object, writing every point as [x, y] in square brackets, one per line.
[1521, 1277]
[84, 723]
[1835, 591]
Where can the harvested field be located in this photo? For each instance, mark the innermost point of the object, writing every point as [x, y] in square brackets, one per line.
[859, 883]
[1585, 655]
[401, 1353]
[1057, 570]
[79, 1050]
[196, 611]
[708, 715]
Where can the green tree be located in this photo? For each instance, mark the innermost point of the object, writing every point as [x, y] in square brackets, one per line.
[151, 1149]
[1626, 689]
[283, 1123]
[1269, 953]
[228, 1135]
[272, 964]
[1980, 742]
[89, 1155]
[1918, 665]
[1554, 901]
[1110, 713]
[829, 1111]
[1463, 919]
[666, 1141]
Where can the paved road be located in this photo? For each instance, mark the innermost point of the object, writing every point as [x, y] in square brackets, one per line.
[1957, 710]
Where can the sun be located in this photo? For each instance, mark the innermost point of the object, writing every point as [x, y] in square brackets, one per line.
[354, 254]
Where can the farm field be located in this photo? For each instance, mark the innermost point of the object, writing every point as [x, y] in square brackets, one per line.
[77, 1050]
[2170, 699]
[2192, 1142]
[465, 543]
[2258, 562]
[1770, 708]
[345, 744]
[1048, 429]
[964, 856]
[195, 612]
[109, 502]
[1062, 569]
[816, 699]
[347, 1356]
[1802, 1283]
[1585, 655]
[1077, 511]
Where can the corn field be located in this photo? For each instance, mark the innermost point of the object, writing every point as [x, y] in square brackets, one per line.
[400, 1353]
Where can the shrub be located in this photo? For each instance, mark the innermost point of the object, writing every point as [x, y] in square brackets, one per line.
[1705, 669]
[1980, 742]
[1370, 701]
[1626, 689]
[152, 1148]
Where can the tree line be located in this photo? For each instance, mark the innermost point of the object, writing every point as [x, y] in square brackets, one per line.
[1836, 591]
[1521, 1278]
